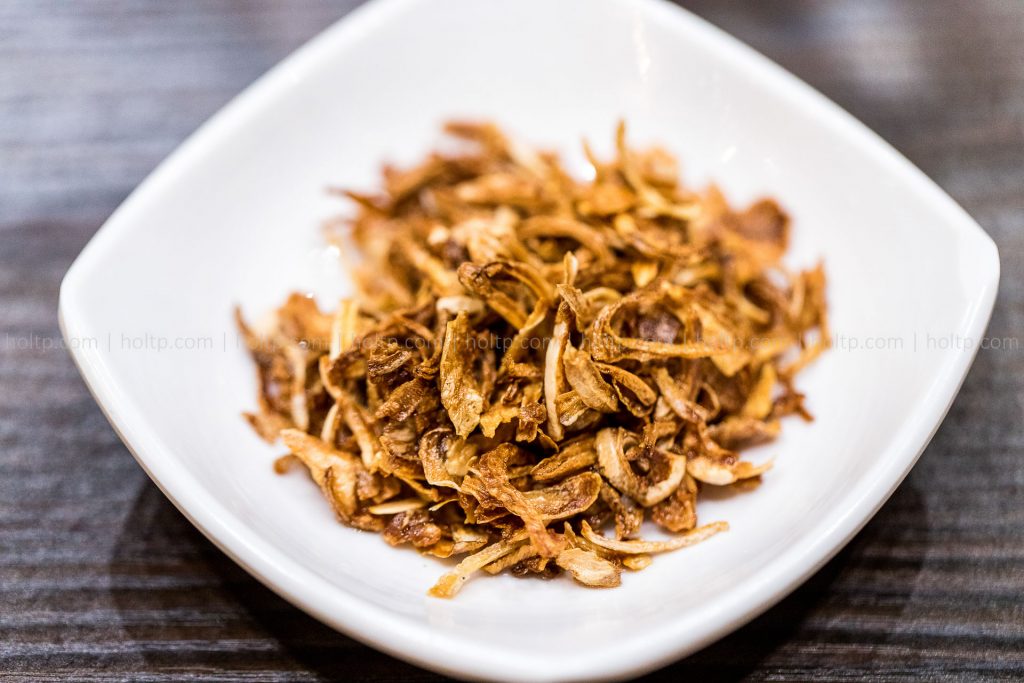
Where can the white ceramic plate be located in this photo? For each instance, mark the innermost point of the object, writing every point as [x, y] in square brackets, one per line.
[233, 217]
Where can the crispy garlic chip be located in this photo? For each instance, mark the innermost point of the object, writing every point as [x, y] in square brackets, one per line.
[665, 473]
[645, 547]
[460, 391]
[535, 369]
[589, 568]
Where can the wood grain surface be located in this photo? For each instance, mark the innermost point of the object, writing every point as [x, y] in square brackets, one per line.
[102, 579]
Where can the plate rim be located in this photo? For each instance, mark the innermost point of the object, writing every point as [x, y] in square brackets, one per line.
[367, 623]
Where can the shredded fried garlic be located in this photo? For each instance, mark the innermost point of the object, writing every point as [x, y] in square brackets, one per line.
[532, 359]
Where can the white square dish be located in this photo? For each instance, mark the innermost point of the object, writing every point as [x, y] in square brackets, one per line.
[233, 217]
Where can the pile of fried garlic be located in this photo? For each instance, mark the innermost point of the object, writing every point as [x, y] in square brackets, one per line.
[535, 365]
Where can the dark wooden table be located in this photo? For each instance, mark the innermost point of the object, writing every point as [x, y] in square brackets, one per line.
[101, 578]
